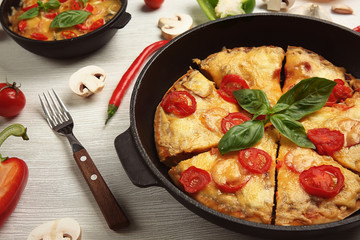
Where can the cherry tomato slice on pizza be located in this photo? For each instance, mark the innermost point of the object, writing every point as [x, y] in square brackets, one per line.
[326, 141]
[255, 160]
[323, 181]
[194, 179]
[339, 93]
[233, 119]
[229, 84]
[180, 103]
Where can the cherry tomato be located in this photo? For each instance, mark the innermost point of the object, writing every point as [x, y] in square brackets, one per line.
[68, 34]
[154, 4]
[229, 176]
[12, 100]
[97, 24]
[233, 119]
[339, 93]
[180, 103]
[323, 181]
[255, 160]
[326, 141]
[39, 36]
[194, 179]
[229, 84]
[22, 25]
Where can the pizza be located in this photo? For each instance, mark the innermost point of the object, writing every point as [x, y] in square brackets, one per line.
[244, 139]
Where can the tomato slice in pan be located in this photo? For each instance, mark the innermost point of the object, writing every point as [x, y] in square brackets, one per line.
[255, 160]
[323, 181]
[180, 103]
[194, 179]
[339, 93]
[228, 176]
[326, 141]
[229, 84]
[233, 119]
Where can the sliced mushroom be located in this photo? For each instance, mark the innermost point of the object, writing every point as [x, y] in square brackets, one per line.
[87, 80]
[278, 5]
[174, 26]
[64, 228]
[311, 10]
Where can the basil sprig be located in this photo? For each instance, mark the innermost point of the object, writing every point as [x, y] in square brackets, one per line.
[34, 12]
[306, 97]
[69, 18]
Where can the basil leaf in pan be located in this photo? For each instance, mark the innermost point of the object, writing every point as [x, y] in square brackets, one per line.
[291, 129]
[253, 100]
[242, 136]
[306, 97]
[69, 18]
[31, 13]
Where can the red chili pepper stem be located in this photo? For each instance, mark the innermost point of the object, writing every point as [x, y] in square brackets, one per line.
[129, 75]
[16, 130]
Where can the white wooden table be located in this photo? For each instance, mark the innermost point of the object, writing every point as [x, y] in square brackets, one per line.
[56, 188]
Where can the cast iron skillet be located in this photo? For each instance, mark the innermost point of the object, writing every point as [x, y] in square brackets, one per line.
[69, 47]
[136, 147]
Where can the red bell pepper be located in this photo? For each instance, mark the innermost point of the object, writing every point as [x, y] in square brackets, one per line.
[13, 175]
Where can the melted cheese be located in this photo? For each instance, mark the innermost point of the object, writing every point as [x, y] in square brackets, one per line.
[259, 66]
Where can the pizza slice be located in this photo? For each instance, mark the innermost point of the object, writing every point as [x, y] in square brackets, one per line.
[188, 120]
[313, 188]
[259, 67]
[335, 131]
[301, 64]
[240, 184]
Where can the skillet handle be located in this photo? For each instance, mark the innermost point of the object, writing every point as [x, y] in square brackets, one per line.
[132, 161]
[121, 21]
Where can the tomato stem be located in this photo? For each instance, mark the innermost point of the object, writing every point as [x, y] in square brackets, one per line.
[16, 130]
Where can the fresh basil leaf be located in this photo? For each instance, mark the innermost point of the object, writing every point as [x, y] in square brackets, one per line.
[253, 100]
[291, 129]
[306, 97]
[242, 136]
[52, 4]
[69, 18]
[31, 13]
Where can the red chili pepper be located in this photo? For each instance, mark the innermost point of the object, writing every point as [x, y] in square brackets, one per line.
[62, 1]
[129, 75]
[14, 174]
[97, 24]
[81, 27]
[357, 29]
[39, 36]
[51, 15]
[68, 34]
[89, 8]
[75, 5]
[22, 25]
[30, 7]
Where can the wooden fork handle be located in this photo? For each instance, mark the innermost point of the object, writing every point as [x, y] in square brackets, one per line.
[109, 207]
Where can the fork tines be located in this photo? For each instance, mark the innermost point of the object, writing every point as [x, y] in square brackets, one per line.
[54, 109]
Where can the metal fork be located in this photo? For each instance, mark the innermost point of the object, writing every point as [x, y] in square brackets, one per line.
[59, 119]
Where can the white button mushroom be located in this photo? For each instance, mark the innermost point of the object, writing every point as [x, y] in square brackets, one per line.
[312, 10]
[174, 26]
[278, 5]
[87, 80]
[59, 229]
